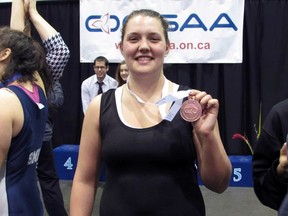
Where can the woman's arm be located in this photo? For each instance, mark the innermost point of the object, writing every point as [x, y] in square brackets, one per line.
[214, 165]
[57, 55]
[86, 176]
[57, 52]
[11, 121]
[44, 29]
[17, 19]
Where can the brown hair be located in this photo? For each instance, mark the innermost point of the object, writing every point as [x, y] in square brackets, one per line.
[118, 76]
[149, 13]
[27, 57]
[101, 59]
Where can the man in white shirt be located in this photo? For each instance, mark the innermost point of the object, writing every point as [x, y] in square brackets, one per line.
[98, 83]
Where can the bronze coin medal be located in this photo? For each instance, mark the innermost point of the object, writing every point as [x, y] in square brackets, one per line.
[191, 110]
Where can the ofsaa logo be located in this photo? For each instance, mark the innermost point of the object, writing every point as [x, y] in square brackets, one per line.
[98, 23]
[110, 23]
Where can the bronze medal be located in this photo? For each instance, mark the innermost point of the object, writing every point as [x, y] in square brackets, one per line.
[191, 110]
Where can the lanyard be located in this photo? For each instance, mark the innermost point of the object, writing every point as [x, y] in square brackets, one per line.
[12, 79]
[176, 97]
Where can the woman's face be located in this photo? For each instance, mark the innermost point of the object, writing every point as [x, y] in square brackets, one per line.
[144, 46]
[124, 72]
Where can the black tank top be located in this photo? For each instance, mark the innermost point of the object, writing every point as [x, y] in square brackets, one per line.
[149, 171]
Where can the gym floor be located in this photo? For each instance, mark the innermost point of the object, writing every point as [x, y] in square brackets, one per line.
[235, 201]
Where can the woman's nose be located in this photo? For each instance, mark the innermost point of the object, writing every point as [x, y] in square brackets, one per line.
[144, 45]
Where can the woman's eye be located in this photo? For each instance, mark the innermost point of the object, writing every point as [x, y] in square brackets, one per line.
[132, 39]
[154, 39]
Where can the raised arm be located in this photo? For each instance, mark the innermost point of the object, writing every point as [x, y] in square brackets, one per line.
[17, 19]
[44, 29]
[57, 51]
[57, 55]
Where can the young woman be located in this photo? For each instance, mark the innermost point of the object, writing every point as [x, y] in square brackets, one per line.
[122, 73]
[23, 114]
[57, 56]
[149, 157]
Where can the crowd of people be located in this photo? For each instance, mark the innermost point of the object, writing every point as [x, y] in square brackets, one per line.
[147, 148]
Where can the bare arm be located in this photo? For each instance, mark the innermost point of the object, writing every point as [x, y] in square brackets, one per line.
[86, 176]
[214, 165]
[17, 19]
[44, 29]
[11, 121]
[58, 53]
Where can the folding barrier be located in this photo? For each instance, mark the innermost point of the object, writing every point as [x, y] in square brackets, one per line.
[66, 157]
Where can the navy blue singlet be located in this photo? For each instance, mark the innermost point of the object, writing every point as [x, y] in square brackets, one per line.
[19, 193]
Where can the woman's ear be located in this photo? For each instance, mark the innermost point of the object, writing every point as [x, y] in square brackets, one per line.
[167, 50]
[4, 54]
[120, 46]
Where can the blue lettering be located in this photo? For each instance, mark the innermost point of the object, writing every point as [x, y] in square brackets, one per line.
[116, 19]
[94, 23]
[199, 21]
[230, 24]
[173, 25]
[87, 23]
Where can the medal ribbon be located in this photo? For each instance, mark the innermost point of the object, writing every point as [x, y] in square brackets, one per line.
[176, 97]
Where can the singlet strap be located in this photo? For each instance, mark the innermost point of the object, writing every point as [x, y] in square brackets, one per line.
[34, 94]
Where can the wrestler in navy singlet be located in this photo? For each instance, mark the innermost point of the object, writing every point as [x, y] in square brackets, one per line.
[149, 171]
[19, 193]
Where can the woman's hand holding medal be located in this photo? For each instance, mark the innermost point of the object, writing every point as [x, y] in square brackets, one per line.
[191, 110]
[200, 107]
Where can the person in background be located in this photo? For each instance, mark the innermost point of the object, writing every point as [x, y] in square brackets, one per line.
[97, 83]
[149, 155]
[46, 168]
[24, 76]
[57, 55]
[270, 164]
[122, 73]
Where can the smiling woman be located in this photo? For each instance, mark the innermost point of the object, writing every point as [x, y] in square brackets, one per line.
[146, 153]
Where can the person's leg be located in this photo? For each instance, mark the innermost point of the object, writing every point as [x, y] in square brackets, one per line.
[49, 182]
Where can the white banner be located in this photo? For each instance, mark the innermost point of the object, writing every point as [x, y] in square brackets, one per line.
[201, 31]
[4, 1]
